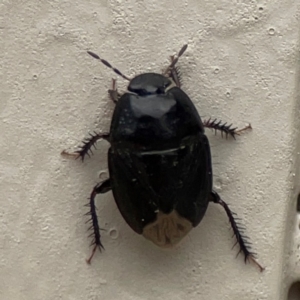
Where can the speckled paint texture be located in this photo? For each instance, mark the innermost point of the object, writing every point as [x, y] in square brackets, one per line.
[242, 65]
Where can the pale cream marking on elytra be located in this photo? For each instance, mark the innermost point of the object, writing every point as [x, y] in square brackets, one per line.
[167, 230]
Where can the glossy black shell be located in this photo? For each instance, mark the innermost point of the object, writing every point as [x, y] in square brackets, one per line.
[159, 159]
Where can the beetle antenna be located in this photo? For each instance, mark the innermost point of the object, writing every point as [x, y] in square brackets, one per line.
[175, 59]
[105, 62]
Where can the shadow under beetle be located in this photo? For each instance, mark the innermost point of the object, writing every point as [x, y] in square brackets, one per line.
[159, 160]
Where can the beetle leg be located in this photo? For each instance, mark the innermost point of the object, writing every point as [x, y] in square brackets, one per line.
[100, 188]
[88, 143]
[174, 60]
[238, 231]
[224, 128]
[175, 74]
[113, 93]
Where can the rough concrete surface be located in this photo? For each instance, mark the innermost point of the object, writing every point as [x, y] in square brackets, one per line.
[242, 65]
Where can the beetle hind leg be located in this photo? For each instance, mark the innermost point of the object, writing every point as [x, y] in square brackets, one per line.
[224, 128]
[100, 188]
[245, 245]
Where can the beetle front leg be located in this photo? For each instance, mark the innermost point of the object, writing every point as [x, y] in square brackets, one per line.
[237, 230]
[175, 74]
[174, 60]
[88, 143]
[100, 188]
[113, 93]
[224, 128]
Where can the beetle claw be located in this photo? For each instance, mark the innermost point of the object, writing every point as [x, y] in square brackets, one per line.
[252, 258]
[91, 256]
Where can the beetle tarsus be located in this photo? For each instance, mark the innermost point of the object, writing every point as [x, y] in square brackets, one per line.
[224, 128]
[65, 153]
[248, 127]
[238, 231]
[252, 258]
[88, 260]
[100, 188]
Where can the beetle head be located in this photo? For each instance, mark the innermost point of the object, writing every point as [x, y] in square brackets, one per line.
[149, 84]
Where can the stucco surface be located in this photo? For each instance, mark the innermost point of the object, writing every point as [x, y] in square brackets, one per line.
[242, 65]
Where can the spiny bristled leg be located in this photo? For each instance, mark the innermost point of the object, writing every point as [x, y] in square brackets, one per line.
[175, 73]
[245, 245]
[224, 128]
[100, 188]
[174, 60]
[88, 143]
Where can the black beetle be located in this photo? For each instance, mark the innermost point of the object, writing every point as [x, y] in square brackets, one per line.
[159, 160]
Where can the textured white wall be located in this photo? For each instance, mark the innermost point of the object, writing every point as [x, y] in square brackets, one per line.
[242, 65]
